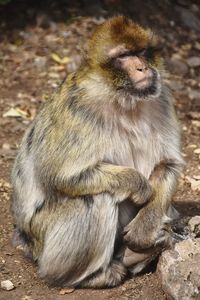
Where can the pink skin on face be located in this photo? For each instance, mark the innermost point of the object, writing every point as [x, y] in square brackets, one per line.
[137, 70]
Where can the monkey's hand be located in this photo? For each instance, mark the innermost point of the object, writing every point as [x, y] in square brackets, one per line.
[142, 191]
[150, 228]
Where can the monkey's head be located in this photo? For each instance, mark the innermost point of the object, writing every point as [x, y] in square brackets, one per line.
[128, 57]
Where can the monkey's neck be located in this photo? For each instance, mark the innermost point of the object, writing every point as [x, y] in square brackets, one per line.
[103, 94]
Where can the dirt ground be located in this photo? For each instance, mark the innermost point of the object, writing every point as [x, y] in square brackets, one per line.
[39, 45]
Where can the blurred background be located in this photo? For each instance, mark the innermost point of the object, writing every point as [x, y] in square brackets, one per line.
[40, 43]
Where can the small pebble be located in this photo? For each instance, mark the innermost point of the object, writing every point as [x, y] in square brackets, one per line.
[7, 285]
[66, 291]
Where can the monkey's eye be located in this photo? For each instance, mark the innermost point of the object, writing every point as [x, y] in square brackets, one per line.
[141, 52]
[125, 54]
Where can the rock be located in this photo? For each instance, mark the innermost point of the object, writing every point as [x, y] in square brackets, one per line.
[177, 66]
[196, 123]
[193, 94]
[40, 62]
[6, 146]
[26, 298]
[197, 151]
[179, 270]
[7, 285]
[194, 226]
[176, 85]
[194, 183]
[194, 115]
[193, 61]
[188, 18]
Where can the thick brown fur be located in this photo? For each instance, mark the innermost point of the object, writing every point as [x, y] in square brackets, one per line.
[106, 146]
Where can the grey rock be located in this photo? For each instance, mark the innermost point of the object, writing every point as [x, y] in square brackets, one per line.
[193, 61]
[195, 115]
[177, 66]
[193, 94]
[179, 270]
[188, 18]
[194, 225]
[40, 62]
[176, 85]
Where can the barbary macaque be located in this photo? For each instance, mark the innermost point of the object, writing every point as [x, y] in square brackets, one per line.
[95, 175]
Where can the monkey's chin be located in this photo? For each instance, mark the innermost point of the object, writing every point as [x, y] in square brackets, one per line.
[148, 88]
[152, 90]
[132, 96]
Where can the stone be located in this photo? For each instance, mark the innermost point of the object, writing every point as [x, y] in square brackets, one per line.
[40, 62]
[177, 66]
[7, 285]
[179, 271]
[66, 291]
[193, 94]
[188, 18]
[193, 61]
[194, 225]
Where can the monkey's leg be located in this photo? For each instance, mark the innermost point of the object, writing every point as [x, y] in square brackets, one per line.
[134, 261]
[121, 182]
[79, 243]
[151, 225]
[112, 276]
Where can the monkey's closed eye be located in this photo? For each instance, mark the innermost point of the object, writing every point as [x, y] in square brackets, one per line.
[141, 52]
[125, 54]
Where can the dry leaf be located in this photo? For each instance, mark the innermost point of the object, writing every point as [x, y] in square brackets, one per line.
[195, 184]
[66, 291]
[15, 113]
[197, 151]
[6, 146]
[59, 60]
[196, 123]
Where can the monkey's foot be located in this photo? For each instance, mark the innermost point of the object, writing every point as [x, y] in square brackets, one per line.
[137, 261]
[112, 276]
[147, 230]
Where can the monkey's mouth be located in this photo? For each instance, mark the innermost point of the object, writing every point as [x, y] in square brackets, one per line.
[148, 86]
[144, 83]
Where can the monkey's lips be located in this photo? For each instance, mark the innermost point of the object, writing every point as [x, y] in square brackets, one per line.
[144, 83]
[148, 85]
[145, 80]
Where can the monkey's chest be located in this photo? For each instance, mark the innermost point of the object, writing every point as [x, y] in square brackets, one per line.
[138, 150]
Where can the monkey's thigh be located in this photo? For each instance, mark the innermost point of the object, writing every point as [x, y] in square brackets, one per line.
[79, 240]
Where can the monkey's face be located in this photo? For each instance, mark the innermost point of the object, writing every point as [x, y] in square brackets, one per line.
[135, 73]
[128, 57]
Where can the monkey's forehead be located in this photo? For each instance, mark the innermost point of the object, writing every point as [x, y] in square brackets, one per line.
[124, 31]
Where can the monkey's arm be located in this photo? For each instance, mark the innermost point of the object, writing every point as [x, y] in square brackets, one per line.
[122, 182]
[149, 228]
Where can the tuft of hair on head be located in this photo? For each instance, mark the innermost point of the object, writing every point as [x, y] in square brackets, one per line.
[116, 31]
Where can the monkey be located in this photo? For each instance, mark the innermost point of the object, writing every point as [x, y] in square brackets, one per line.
[97, 168]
